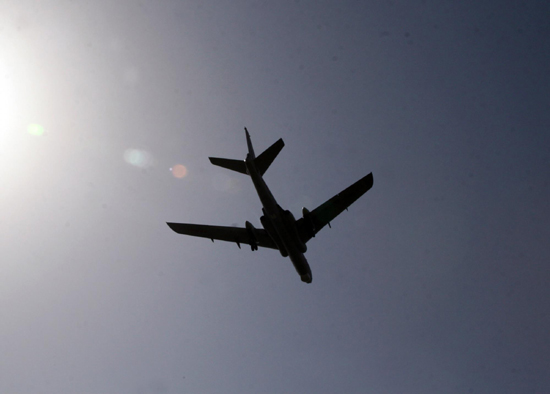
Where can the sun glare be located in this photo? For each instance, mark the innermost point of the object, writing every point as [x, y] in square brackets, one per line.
[24, 109]
[35, 129]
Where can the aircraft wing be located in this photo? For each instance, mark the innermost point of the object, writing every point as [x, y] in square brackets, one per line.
[315, 220]
[238, 235]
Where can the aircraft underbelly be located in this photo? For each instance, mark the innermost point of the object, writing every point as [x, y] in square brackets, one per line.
[302, 267]
[292, 246]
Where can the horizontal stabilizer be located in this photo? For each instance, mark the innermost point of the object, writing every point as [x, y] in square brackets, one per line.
[230, 164]
[263, 161]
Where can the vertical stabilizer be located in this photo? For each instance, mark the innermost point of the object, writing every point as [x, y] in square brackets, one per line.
[249, 143]
[261, 162]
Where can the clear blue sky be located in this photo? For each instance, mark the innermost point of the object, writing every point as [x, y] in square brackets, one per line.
[436, 281]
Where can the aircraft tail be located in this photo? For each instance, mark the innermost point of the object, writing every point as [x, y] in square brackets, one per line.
[249, 143]
[261, 162]
[230, 164]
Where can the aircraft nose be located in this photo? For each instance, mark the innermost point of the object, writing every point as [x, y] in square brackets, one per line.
[306, 278]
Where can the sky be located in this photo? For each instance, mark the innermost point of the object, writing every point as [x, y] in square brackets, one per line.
[436, 281]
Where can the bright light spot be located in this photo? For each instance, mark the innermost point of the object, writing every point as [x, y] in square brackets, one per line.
[138, 158]
[179, 171]
[35, 129]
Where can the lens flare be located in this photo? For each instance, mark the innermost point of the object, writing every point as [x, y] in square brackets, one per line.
[138, 158]
[179, 171]
[35, 129]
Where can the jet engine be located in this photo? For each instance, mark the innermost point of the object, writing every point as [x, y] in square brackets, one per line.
[252, 235]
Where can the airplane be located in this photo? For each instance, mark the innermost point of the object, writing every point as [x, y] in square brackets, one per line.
[281, 230]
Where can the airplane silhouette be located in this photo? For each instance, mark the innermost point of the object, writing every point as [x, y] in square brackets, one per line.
[281, 230]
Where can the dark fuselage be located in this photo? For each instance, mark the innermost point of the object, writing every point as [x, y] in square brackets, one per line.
[281, 222]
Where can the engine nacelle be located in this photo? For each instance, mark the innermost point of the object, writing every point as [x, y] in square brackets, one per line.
[252, 235]
[308, 220]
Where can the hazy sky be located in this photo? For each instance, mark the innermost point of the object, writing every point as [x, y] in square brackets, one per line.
[436, 281]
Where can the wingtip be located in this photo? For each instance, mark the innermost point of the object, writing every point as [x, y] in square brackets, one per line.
[369, 179]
